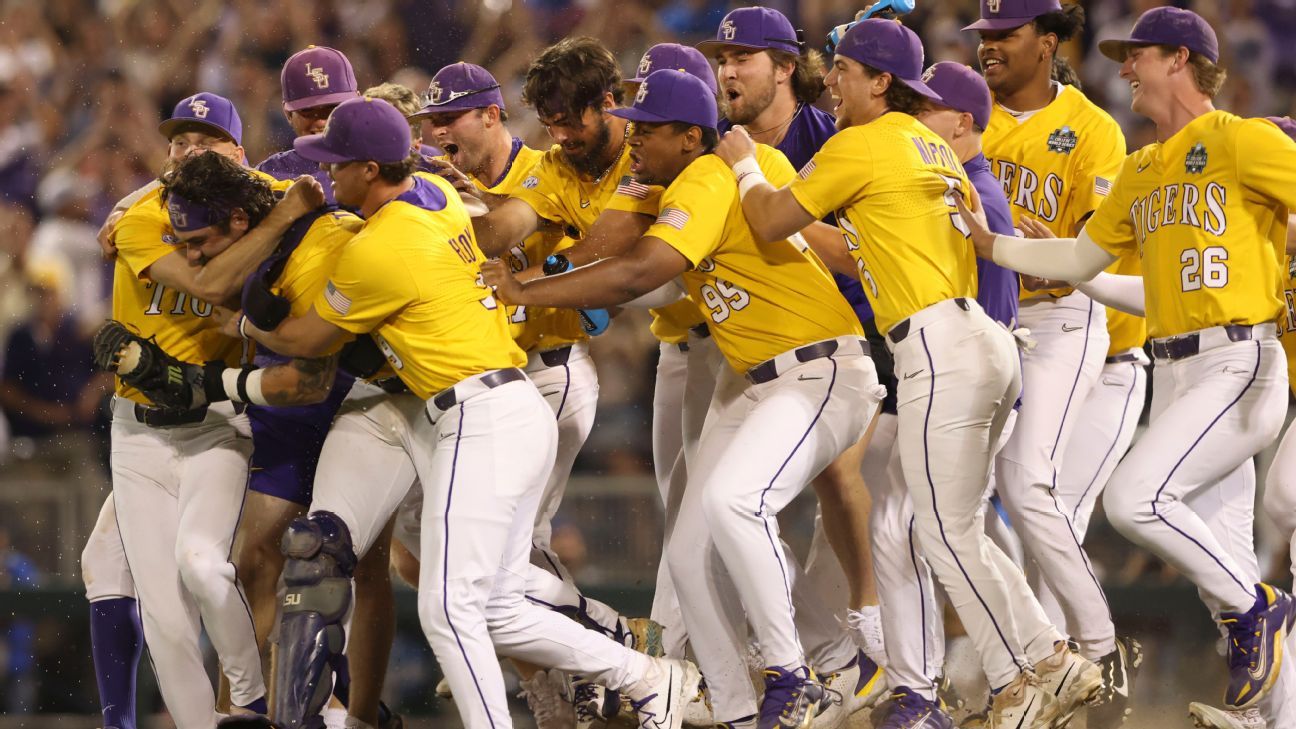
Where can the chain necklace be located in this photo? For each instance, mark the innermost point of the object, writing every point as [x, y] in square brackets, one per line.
[625, 137]
[785, 122]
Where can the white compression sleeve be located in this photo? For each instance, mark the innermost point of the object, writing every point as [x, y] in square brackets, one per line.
[1124, 293]
[1066, 259]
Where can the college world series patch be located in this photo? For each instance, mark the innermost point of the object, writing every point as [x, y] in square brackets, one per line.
[1062, 140]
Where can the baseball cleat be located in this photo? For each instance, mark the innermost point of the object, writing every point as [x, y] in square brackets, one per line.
[544, 694]
[1118, 671]
[1208, 717]
[908, 710]
[1024, 704]
[1071, 678]
[594, 704]
[747, 722]
[660, 696]
[443, 690]
[860, 685]
[1255, 643]
[792, 698]
[698, 710]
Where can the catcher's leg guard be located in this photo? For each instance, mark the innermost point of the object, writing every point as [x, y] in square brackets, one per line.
[317, 575]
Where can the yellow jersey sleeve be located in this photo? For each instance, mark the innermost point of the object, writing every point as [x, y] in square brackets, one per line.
[1266, 161]
[544, 188]
[1110, 226]
[836, 175]
[305, 276]
[1287, 321]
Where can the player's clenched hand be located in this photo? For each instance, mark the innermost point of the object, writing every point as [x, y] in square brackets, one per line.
[735, 145]
[496, 275]
[305, 195]
[982, 237]
[107, 235]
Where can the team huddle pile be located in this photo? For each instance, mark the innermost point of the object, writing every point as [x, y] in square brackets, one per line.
[947, 304]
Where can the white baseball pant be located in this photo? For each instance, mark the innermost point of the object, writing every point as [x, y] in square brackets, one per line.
[1057, 376]
[103, 561]
[761, 445]
[178, 493]
[481, 496]
[959, 376]
[1280, 491]
[1228, 402]
[1103, 432]
[686, 377]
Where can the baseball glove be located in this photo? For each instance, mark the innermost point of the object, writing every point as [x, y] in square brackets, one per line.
[165, 380]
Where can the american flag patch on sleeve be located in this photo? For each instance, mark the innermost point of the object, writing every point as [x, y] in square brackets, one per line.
[1102, 186]
[336, 299]
[805, 171]
[674, 217]
[628, 186]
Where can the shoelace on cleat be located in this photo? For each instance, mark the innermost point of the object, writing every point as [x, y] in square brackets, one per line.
[1244, 636]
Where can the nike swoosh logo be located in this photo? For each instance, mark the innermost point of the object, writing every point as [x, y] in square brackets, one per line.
[803, 378]
[1118, 682]
[1110, 382]
[1232, 371]
[1063, 682]
[445, 435]
[1076, 328]
[912, 375]
[1263, 660]
[1143, 166]
[670, 693]
[584, 203]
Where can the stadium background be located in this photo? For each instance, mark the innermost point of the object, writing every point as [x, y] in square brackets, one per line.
[82, 87]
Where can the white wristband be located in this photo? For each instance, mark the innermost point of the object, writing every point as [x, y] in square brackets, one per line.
[242, 326]
[749, 175]
[251, 386]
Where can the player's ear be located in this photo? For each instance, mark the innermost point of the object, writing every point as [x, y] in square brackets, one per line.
[238, 221]
[609, 101]
[371, 171]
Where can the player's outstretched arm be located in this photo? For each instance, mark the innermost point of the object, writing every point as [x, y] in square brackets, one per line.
[827, 243]
[614, 233]
[1123, 293]
[773, 213]
[307, 337]
[1065, 259]
[221, 278]
[504, 227]
[298, 381]
[610, 282]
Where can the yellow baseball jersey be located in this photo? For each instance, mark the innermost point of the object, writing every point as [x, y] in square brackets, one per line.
[1057, 165]
[557, 192]
[412, 279]
[535, 328]
[759, 299]
[1206, 210]
[181, 324]
[891, 184]
[306, 273]
[1287, 321]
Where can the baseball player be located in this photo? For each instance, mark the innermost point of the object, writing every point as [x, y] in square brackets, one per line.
[448, 342]
[179, 477]
[960, 379]
[915, 648]
[287, 440]
[774, 314]
[1056, 154]
[116, 636]
[770, 82]
[314, 81]
[1222, 180]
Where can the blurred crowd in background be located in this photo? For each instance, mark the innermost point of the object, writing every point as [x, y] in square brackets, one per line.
[84, 83]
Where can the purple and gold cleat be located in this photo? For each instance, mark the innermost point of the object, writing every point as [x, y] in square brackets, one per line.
[1255, 643]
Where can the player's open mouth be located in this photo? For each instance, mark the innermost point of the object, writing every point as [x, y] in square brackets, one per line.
[732, 94]
[636, 164]
[450, 148]
[991, 64]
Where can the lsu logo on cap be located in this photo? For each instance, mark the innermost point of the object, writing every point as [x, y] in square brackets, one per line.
[199, 108]
[929, 73]
[643, 93]
[179, 217]
[645, 65]
[434, 93]
[727, 30]
[992, 5]
[317, 75]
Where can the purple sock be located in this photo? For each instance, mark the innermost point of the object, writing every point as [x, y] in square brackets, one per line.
[117, 641]
[257, 707]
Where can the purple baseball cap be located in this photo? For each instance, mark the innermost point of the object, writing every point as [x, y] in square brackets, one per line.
[681, 58]
[757, 28]
[1285, 123]
[317, 76]
[887, 46]
[1166, 26]
[1009, 14]
[459, 87]
[960, 88]
[668, 95]
[359, 129]
[207, 111]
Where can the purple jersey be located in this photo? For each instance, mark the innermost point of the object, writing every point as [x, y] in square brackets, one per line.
[996, 285]
[289, 165]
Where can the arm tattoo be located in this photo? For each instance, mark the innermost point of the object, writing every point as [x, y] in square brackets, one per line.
[300, 381]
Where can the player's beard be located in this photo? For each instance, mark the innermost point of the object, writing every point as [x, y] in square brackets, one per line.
[590, 161]
[753, 102]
